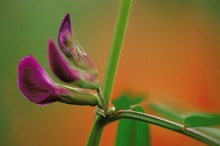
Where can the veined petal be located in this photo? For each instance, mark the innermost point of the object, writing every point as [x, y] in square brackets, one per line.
[82, 60]
[35, 84]
[72, 49]
[59, 65]
[64, 72]
[65, 31]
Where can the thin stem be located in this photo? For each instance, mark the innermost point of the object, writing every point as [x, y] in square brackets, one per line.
[128, 114]
[115, 49]
[102, 100]
[96, 132]
[111, 66]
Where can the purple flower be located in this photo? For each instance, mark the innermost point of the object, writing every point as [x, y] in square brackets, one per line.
[72, 49]
[36, 85]
[63, 71]
[65, 32]
[59, 66]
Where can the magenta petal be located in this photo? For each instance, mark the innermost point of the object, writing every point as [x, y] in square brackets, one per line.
[72, 49]
[59, 66]
[64, 31]
[64, 72]
[34, 83]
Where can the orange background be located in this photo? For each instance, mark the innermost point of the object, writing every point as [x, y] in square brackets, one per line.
[170, 53]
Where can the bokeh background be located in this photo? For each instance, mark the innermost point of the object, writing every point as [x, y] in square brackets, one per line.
[171, 53]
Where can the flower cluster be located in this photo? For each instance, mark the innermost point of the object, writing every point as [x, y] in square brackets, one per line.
[37, 86]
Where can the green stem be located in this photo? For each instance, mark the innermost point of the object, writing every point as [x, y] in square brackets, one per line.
[111, 66]
[116, 45]
[128, 114]
[102, 100]
[96, 132]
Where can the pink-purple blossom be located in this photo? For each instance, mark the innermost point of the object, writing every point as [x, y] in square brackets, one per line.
[66, 73]
[72, 49]
[35, 84]
[64, 32]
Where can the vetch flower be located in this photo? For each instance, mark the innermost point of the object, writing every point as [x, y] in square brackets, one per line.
[72, 49]
[63, 70]
[36, 85]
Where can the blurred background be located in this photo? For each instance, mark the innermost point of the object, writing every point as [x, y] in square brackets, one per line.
[171, 53]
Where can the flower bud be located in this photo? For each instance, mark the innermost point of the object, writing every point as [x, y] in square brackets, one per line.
[63, 71]
[72, 49]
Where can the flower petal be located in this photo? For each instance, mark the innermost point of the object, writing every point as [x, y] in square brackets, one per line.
[72, 49]
[64, 72]
[81, 60]
[59, 65]
[64, 31]
[34, 83]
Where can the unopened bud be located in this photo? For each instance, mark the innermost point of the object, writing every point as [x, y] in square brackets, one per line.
[72, 49]
[63, 70]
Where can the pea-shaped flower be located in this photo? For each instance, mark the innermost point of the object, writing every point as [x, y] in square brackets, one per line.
[72, 49]
[37, 86]
[66, 73]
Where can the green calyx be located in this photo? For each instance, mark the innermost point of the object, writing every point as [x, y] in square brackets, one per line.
[80, 97]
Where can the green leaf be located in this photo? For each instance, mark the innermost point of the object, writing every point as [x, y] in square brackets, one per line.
[201, 119]
[133, 133]
[125, 133]
[142, 137]
[166, 112]
[125, 101]
[210, 131]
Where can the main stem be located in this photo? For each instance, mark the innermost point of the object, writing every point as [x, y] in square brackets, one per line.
[116, 45]
[110, 70]
[96, 132]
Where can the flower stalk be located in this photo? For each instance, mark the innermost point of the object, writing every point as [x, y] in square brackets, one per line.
[115, 49]
[111, 67]
[96, 132]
